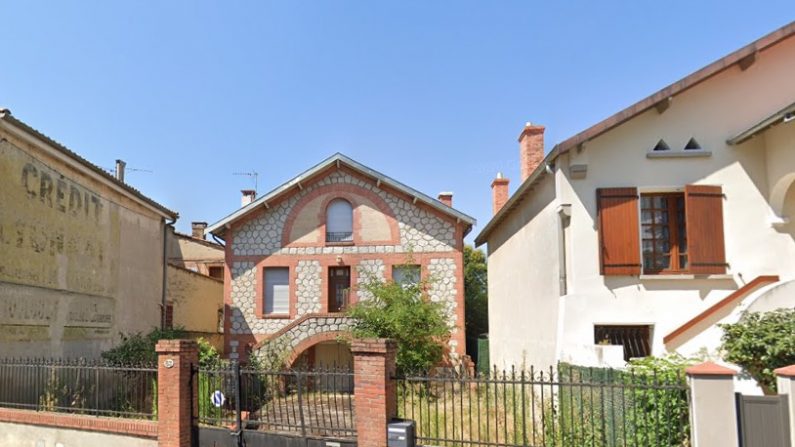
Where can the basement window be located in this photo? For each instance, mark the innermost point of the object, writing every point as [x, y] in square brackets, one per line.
[636, 339]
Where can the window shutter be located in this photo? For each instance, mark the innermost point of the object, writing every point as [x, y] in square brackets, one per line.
[339, 217]
[619, 235]
[704, 223]
[277, 290]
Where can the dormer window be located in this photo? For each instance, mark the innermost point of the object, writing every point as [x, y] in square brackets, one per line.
[339, 221]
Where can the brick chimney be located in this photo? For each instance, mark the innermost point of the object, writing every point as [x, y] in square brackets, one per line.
[446, 198]
[248, 196]
[531, 149]
[499, 192]
[120, 165]
[197, 229]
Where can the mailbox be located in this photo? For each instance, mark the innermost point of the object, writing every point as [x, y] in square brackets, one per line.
[400, 433]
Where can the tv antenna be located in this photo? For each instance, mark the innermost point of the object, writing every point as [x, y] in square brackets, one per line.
[252, 174]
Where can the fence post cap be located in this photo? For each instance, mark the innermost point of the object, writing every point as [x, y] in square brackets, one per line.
[166, 346]
[710, 369]
[786, 371]
[372, 345]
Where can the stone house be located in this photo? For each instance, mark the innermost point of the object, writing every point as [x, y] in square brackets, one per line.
[82, 253]
[295, 255]
[640, 234]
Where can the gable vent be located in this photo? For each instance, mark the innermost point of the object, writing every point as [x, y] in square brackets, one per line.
[692, 145]
[661, 146]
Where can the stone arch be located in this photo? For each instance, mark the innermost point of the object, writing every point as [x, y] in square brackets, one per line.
[314, 340]
[778, 193]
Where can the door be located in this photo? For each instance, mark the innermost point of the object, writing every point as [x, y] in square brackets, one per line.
[763, 421]
[339, 287]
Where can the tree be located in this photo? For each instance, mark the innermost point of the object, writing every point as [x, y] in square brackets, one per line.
[760, 343]
[406, 314]
[476, 302]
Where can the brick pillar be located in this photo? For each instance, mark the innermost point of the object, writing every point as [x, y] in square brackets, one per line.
[713, 414]
[176, 393]
[499, 192]
[375, 391]
[785, 382]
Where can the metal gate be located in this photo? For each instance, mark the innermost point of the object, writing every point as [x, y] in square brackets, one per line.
[255, 407]
[763, 421]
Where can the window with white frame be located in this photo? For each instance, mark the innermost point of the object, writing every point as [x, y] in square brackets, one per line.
[339, 221]
[406, 275]
[277, 290]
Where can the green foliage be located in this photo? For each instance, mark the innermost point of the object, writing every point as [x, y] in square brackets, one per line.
[406, 314]
[209, 357]
[475, 296]
[138, 348]
[760, 343]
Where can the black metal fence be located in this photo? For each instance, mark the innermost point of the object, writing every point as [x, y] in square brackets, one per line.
[567, 406]
[309, 403]
[79, 387]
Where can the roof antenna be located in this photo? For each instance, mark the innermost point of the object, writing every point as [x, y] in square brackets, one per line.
[253, 174]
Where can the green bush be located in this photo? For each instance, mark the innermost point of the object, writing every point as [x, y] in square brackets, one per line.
[138, 348]
[760, 343]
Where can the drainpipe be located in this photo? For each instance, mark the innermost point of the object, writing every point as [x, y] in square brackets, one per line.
[164, 300]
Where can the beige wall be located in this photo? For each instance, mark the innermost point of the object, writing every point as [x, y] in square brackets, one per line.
[373, 224]
[197, 255]
[711, 112]
[197, 300]
[21, 435]
[81, 262]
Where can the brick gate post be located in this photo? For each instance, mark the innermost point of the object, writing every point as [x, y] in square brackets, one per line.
[785, 382]
[713, 415]
[374, 389]
[176, 392]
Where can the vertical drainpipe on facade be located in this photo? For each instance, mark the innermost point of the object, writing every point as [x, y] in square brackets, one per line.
[163, 301]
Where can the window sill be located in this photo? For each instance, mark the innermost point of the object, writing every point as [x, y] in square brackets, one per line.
[679, 154]
[674, 277]
[340, 244]
[275, 316]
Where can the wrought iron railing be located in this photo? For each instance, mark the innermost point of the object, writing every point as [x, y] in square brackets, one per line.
[567, 407]
[79, 387]
[339, 236]
[317, 402]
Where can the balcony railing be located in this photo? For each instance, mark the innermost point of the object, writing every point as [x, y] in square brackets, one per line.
[339, 236]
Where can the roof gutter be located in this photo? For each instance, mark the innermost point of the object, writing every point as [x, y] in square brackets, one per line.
[785, 115]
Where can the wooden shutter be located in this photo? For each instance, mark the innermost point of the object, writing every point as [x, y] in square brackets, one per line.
[704, 226]
[619, 236]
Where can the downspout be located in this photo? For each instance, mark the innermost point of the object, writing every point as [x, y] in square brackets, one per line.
[163, 301]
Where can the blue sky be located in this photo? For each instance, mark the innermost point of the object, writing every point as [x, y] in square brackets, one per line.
[431, 93]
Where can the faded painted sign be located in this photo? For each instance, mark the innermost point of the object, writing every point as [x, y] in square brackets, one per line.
[55, 232]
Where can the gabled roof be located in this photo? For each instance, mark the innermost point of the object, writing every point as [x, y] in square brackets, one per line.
[743, 57]
[6, 117]
[337, 159]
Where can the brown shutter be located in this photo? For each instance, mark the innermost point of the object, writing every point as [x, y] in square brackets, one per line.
[619, 237]
[704, 226]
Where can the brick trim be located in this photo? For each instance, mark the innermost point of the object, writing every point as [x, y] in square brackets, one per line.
[308, 342]
[137, 428]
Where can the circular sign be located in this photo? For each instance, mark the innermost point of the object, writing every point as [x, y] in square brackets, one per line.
[217, 398]
[168, 363]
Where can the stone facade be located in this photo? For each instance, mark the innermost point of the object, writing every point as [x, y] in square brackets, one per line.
[420, 235]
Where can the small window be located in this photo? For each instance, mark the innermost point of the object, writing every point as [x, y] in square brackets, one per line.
[169, 316]
[277, 290]
[406, 275]
[661, 146]
[663, 233]
[692, 145]
[636, 340]
[339, 221]
[216, 272]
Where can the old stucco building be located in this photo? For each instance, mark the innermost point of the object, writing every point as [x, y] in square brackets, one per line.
[294, 258]
[640, 234]
[82, 254]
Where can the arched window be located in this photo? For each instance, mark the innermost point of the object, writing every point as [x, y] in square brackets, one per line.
[339, 221]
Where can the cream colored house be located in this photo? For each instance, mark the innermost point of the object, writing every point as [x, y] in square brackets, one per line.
[82, 254]
[638, 235]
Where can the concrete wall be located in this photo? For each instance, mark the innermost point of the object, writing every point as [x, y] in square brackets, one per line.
[23, 435]
[193, 254]
[81, 261]
[198, 300]
[710, 112]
